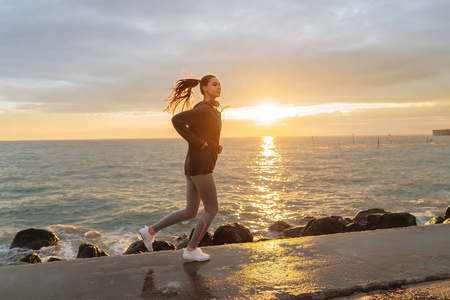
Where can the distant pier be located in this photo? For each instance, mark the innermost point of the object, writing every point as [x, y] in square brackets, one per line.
[441, 132]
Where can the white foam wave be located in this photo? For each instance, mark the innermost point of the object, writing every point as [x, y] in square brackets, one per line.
[64, 228]
[423, 217]
[92, 234]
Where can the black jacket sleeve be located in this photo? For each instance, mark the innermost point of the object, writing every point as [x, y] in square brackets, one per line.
[183, 121]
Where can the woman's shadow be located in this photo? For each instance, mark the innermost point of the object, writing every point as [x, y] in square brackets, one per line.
[198, 287]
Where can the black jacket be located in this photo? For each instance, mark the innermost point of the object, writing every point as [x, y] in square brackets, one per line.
[201, 124]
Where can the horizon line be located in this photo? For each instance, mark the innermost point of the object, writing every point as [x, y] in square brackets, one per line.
[226, 137]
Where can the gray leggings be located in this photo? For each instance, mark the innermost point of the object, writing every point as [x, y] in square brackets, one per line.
[199, 187]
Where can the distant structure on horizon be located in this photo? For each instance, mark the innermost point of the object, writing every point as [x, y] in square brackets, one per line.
[441, 132]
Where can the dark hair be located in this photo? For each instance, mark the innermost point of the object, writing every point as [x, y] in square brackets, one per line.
[183, 93]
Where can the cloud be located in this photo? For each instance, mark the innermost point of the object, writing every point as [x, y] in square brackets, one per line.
[268, 113]
[116, 56]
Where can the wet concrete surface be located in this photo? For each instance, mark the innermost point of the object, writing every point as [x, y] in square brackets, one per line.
[436, 290]
[321, 267]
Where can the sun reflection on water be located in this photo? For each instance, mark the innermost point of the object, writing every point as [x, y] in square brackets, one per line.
[265, 176]
[268, 147]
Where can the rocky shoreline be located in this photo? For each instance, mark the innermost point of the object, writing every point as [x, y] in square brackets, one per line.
[231, 233]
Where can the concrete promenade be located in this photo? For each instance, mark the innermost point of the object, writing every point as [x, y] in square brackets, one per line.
[321, 267]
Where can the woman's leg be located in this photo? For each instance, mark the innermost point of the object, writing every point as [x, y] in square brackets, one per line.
[206, 187]
[192, 204]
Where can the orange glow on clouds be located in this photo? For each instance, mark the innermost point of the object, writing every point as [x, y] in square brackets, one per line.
[261, 120]
[269, 113]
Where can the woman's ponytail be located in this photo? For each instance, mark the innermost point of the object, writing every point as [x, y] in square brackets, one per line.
[183, 95]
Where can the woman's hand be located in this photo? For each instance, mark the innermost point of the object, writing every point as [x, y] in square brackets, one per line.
[220, 149]
[205, 145]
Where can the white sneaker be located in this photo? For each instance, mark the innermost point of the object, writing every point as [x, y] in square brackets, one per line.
[195, 255]
[147, 238]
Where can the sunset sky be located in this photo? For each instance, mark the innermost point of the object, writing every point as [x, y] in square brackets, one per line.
[101, 69]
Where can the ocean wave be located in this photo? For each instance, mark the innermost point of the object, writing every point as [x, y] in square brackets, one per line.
[67, 229]
[423, 217]
[92, 192]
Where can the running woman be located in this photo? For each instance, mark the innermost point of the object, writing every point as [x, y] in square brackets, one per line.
[200, 127]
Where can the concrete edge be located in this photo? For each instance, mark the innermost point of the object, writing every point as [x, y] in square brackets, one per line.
[376, 286]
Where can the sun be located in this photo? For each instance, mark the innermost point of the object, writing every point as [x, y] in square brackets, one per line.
[264, 114]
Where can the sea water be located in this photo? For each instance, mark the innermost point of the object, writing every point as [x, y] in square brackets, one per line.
[104, 191]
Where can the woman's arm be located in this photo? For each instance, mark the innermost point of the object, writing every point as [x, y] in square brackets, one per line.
[181, 123]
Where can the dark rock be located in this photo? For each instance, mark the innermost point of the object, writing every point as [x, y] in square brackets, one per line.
[183, 244]
[34, 239]
[326, 225]
[232, 233]
[447, 221]
[435, 220]
[343, 221]
[180, 237]
[181, 241]
[88, 250]
[279, 226]
[310, 222]
[390, 220]
[447, 213]
[31, 258]
[294, 232]
[207, 239]
[54, 258]
[306, 220]
[163, 246]
[315, 219]
[139, 247]
[184, 236]
[355, 226]
[136, 248]
[360, 217]
[347, 221]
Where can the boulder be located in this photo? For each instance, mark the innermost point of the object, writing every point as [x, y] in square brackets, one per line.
[325, 225]
[136, 248]
[447, 221]
[360, 217]
[139, 247]
[34, 239]
[435, 220]
[207, 239]
[163, 246]
[294, 232]
[183, 244]
[181, 241]
[346, 221]
[306, 219]
[310, 222]
[54, 258]
[447, 213]
[232, 233]
[279, 226]
[343, 221]
[31, 258]
[88, 250]
[355, 226]
[390, 220]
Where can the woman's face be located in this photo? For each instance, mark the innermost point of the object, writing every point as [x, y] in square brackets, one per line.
[212, 90]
